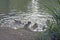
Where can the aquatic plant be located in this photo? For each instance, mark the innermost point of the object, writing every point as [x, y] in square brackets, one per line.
[53, 30]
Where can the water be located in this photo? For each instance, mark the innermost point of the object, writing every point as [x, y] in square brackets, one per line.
[32, 14]
[4, 6]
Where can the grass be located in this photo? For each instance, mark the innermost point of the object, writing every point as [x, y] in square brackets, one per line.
[52, 7]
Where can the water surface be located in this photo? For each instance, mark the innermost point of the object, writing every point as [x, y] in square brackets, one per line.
[24, 11]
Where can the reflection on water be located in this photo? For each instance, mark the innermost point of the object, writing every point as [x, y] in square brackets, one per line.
[32, 15]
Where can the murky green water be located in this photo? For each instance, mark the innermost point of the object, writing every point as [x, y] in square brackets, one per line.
[4, 6]
[24, 11]
[19, 4]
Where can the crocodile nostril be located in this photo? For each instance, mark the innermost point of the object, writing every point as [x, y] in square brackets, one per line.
[35, 26]
[27, 25]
